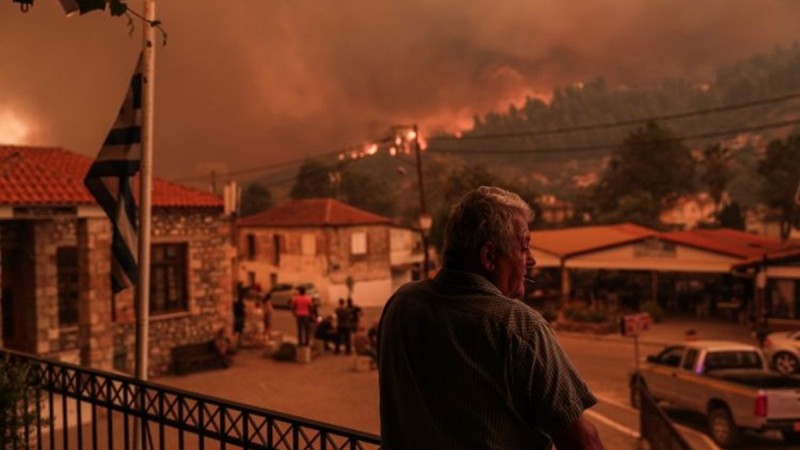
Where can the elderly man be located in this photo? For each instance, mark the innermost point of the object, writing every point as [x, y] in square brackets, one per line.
[463, 363]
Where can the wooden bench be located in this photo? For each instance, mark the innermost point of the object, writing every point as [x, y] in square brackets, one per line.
[197, 357]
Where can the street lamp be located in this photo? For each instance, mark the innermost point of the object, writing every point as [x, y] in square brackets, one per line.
[404, 134]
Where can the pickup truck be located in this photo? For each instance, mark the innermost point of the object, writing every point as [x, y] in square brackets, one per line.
[728, 382]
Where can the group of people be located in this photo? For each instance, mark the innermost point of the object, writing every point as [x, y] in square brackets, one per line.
[343, 331]
[261, 317]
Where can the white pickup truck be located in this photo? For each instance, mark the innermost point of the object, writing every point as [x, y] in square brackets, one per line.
[726, 381]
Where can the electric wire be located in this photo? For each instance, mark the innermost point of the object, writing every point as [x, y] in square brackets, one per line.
[624, 123]
[552, 150]
[598, 147]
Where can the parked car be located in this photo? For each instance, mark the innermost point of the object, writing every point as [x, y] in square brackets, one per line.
[782, 350]
[729, 383]
[282, 293]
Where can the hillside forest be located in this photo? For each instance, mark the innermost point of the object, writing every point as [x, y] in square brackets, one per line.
[614, 152]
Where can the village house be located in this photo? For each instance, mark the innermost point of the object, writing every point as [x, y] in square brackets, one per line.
[56, 250]
[326, 242]
[720, 272]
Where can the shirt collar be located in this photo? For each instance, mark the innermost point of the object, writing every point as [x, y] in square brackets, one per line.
[461, 278]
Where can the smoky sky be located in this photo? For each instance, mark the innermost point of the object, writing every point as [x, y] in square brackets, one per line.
[248, 83]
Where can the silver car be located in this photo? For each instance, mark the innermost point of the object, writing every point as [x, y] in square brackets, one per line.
[782, 350]
[282, 293]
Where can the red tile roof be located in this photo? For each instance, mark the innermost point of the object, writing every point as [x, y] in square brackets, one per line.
[312, 212]
[573, 241]
[789, 250]
[52, 176]
[729, 242]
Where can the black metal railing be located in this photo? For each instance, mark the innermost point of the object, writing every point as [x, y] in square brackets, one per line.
[655, 427]
[76, 408]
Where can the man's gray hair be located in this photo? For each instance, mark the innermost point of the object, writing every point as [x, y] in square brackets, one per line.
[482, 215]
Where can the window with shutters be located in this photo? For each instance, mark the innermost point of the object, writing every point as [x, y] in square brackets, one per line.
[67, 274]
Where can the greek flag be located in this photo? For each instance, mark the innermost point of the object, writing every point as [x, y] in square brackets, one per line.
[110, 180]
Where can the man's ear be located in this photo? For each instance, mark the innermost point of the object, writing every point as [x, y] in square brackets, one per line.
[489, 256]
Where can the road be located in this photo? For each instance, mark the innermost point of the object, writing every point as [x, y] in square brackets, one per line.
[604, 365]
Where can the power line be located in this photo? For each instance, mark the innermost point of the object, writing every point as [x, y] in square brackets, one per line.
[293, 178]
[563, 130]
[281, 165]
[590, 148]
[623, 123]
[253, 169]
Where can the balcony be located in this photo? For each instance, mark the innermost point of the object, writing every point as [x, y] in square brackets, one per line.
[74, 408]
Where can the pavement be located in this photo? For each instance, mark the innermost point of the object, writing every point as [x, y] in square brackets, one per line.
[329, 390]
[670, 330]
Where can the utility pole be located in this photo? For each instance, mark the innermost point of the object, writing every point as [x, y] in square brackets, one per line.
[424, 218]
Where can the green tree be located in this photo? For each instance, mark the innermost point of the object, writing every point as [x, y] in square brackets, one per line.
[731, 217]
[716, 172]
[780, 176]
[638, 207]
[17, 398]
[255, 198]
[463, 179]
[366, 191]
[313, 181]
[649, 173]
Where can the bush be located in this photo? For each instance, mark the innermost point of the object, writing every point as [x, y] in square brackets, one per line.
[654, 309]
[14, 391]
[580, 313]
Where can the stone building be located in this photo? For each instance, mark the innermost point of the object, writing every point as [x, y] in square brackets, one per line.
[325, 242]
[56, 289]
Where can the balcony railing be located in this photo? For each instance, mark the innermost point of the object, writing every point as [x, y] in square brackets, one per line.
[76, 408]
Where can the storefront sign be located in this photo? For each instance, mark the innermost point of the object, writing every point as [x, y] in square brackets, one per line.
[654, 248]
[635, 324]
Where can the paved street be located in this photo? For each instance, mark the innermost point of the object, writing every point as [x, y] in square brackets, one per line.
[329, 390]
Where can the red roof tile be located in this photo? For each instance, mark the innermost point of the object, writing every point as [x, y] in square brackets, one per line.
[312, 212]
[51, 176]
[729, 242]
[573, 241]
[789, 250]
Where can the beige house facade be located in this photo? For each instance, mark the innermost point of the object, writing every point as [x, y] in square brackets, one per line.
[327, 243]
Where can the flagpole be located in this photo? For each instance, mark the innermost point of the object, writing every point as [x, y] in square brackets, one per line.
[145, 209]
[145, 189]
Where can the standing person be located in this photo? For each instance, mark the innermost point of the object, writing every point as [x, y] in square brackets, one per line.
[238, 320]
[344, 326]
[266, 305]
[462, 362]
[301, 307]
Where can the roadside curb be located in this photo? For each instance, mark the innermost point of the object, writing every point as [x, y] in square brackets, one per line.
[612, 337]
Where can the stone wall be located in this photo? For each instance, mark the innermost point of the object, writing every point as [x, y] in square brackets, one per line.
[210, 289]
[49, 235]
